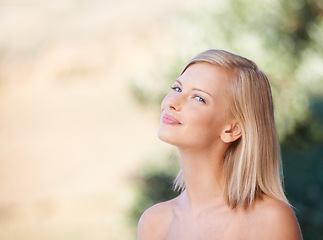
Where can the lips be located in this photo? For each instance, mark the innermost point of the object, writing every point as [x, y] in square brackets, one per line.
[169, 119]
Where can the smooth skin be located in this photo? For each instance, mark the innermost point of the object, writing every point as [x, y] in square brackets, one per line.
[199, 102]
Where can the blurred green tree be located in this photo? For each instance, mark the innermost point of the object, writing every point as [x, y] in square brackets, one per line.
[302, 153]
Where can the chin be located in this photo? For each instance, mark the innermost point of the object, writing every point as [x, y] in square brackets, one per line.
[162, 135]
[167, 136]
[181, 140]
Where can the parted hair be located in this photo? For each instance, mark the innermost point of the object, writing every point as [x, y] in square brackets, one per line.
[252, 164]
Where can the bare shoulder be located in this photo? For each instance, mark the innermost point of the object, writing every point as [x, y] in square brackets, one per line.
[275, 219]
[154, 222]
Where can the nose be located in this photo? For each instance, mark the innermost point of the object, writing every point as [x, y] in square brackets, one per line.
[172, 101]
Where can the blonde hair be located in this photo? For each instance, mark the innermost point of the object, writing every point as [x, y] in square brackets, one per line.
[252, 164]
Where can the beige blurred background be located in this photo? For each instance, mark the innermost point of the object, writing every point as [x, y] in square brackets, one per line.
[71, 134]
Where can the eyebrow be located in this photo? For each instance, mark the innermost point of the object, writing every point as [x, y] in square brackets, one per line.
[178, 82]
[196, 89]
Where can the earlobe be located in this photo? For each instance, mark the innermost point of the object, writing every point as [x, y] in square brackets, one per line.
[231, 134]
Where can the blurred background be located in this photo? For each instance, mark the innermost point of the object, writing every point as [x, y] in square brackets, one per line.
[81, 83]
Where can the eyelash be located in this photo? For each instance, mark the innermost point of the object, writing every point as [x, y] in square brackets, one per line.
[201, 99]
[174, 88]
[178, 89]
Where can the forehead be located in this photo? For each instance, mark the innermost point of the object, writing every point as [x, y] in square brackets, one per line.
[207, 77]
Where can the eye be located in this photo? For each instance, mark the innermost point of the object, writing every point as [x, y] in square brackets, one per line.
[198, 98]
[177, 89]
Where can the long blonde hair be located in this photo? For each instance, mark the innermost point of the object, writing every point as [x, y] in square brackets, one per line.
[252, 164]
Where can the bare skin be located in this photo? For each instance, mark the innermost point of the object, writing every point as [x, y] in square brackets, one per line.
[173, 220]
[203, 130]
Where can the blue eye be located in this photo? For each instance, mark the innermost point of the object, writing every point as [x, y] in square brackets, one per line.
[177, 89]
[198, 98]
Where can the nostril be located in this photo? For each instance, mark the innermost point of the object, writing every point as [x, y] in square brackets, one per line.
[175, 107]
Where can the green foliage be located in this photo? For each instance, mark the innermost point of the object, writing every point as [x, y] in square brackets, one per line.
[154, 187]
[302, 153]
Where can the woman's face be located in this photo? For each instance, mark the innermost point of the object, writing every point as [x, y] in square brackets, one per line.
[196, 111]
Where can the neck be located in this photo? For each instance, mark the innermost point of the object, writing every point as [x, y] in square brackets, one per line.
[204, 177]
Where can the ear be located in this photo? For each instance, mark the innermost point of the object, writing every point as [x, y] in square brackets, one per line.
[231, 133]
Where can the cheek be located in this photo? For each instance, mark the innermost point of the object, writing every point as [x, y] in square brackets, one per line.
[202, 122]
[207, 125]
[201, 116]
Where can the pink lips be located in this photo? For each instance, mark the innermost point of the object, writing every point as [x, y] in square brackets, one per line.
[169, 119]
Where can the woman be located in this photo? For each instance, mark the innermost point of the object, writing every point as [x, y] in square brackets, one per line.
[220, 116]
